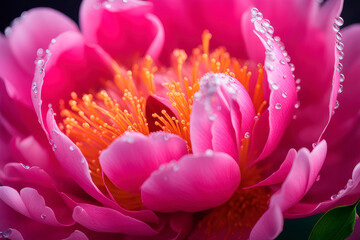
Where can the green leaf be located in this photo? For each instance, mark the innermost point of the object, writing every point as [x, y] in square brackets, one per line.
[337, 224]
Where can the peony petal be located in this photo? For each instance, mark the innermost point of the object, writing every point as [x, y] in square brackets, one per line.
[16, 79]
[301, 177]
[281, 82]
[269, 226]
[31, 204]
[103, 219]
[194, 183]
[34, 30]
[77, 235]
[134, 157]
[185, 17]
[123, 23]
[222, 113]
[280, 175]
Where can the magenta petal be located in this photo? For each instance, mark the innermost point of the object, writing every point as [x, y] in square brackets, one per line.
[131, 25]
[269, 226]
[16, 79]
[77, 235]
[281, 174]
[131, 158]
[222, 113]
[283, 95]
[34, 31]
[194, 183]
[103, 219]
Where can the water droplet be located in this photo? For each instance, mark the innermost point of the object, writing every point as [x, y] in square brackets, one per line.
[314, 145]
[166, 137]
[298, 81]
[82, 160]
[292, 67]
[7, 31]
[333, 197]
[40, 62]
[34, 88]
[256, 118]
[51, 142]
[176, 168]
[7, 233]
[284, 95]
[337, 104]
[212, 117]
[282, 62]
[338, 36]
[270, 67]
[275, 86]
[259, 16]
[71, 148]
[43, 216]
[339, 45]
[340, 88]
[318, 178]
[349, 183]
[278, 106]
[342, 77]
[106, 5]
[53, 41]
[297, 105]
[339, 21]
[40, 52]
[336, 28]
[270, 29]
[284, 77]
[254, 12]
[287, 58]
[54, 147]
[341, 192]
[298, 88]
[247, 135]
[209, 152]
[125, 1]
[341, 55]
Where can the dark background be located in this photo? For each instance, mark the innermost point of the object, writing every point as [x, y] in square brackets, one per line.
[297, 229]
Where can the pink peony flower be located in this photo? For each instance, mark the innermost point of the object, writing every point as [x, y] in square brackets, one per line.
[154, 137]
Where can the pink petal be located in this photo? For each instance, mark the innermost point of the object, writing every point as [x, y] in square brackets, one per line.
[35, 31]
[185, 17]
[122, 23]
[102, 219]
[16, 79]
[194, 183]
[77, 235]
[301, 177]
[226, 113]
[281, 82]
[135, 156]
[281, 174]
[30, 204]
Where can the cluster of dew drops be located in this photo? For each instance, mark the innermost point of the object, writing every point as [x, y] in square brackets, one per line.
[263, 25]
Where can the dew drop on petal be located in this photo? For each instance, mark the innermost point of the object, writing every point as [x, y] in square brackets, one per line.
[71, 148]
[209, 152]
[341, 55]
[338, 36]
[297, 105]
[43, 216]
[282, 62]
[340, 88]
[284, 95]
[254, 12]
[342, 77]
[275, 86]
[336, 28]
[292, 67]
[339, 21]
[333, 197]
[337, 104]
[176, 168]
[318, 178]
[278, 106]
[349, 183]
[212, 117]
[339, 45]
[247, 135]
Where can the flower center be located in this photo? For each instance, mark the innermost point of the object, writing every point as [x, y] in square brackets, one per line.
[96, 119]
